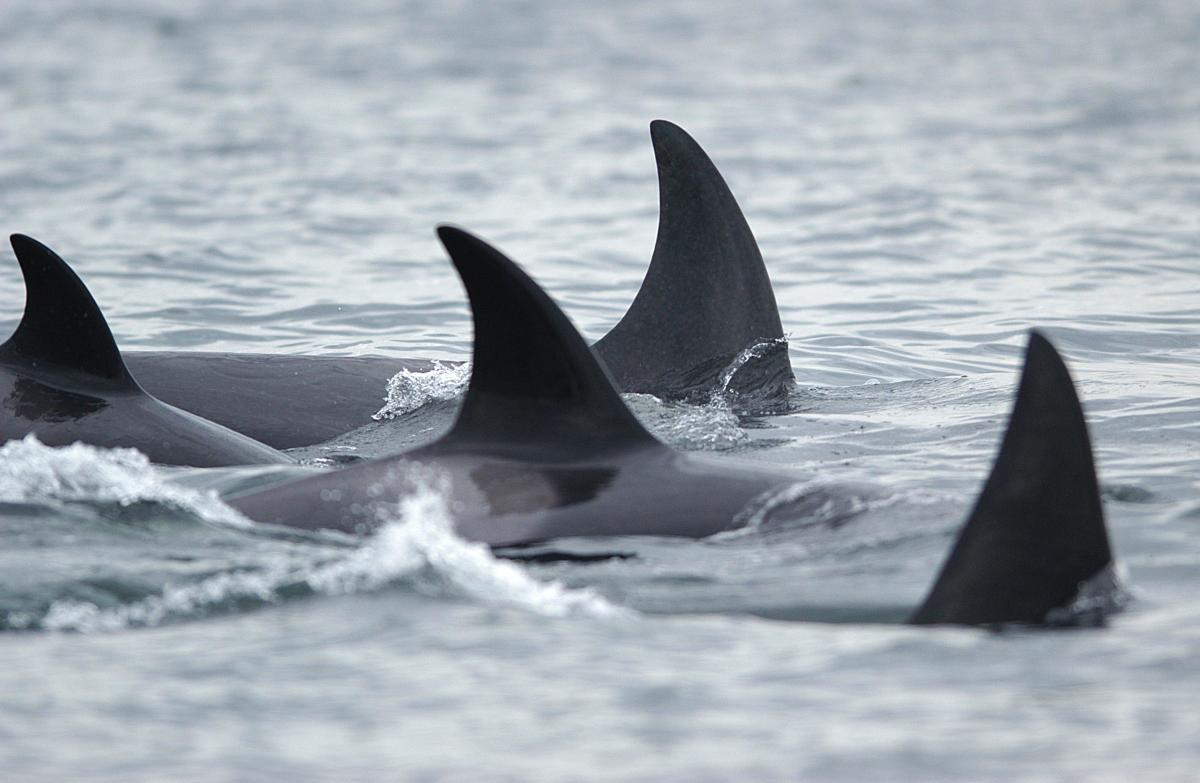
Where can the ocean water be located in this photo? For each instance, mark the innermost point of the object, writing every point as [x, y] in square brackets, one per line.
[927, 181]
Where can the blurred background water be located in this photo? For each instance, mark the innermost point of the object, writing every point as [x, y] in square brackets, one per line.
[926, 180]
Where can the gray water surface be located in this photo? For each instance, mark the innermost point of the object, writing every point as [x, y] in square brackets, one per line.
[927, 181]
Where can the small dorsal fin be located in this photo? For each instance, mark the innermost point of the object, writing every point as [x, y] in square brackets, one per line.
[706, 296]
[62, 325]
[533, 378]
[1037, 532]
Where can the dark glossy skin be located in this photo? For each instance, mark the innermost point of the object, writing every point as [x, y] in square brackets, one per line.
[697, 310]
[285, 401]
[61, 408]
[544, 448]
[509, 500]
[1039, 515]
[543, 445]
[62, 379]
[705, 299]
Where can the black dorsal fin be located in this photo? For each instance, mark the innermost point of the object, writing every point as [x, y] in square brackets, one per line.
[1037, 532]
[533, 378]
[62, 326]
[706, 296]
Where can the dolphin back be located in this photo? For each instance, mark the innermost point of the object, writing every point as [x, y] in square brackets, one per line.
[1037, 532]
[63, 379]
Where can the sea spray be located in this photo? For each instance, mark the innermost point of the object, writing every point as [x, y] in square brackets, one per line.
[31, 471]
[408, 390]
[417, 535]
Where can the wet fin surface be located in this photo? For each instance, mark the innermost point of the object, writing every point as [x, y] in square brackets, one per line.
[62, 326]
[1037, 531]
[533, 378]
[706, 296]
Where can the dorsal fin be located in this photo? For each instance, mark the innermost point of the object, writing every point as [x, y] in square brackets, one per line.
[1037, 532]
[62, 325]
[533, 378]
[706, 295]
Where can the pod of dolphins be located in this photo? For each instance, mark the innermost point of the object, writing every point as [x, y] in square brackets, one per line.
[543, 446]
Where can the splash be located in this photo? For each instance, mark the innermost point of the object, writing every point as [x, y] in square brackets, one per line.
[31, 471]
[415, 545]
[408, 390]
[418, 535]
[705, 424]
[756, 351]
[1100, 596]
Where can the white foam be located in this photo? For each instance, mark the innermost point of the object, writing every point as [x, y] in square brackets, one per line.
[30, 471]
[408, 390]
[419, 534]
[416, 543]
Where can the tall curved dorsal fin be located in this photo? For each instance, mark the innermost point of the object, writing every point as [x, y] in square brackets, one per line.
[62, 325]
[706, 296]
[533, 378]
[1037, 532]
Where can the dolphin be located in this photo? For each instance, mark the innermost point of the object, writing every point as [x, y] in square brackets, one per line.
[706, 299]
[545, 448]
[62, 378]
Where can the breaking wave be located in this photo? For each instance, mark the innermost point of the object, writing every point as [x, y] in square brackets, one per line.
[31, 471]
[415, 546]
[418, 536]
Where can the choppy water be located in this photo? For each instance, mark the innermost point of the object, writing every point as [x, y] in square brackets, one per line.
[927, 180]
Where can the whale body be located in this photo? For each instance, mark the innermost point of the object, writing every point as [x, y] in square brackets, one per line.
[544, 448]
[706, 299]
[63, 380]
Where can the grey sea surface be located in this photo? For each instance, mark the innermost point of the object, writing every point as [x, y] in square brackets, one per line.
[927, 181]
